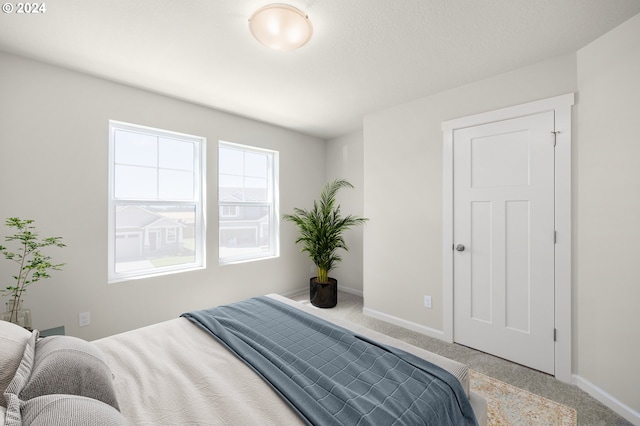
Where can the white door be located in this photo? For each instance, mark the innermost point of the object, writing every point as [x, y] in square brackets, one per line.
[503, 233]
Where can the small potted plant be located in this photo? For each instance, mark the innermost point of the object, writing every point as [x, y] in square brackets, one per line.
[32, 266]
[321, 232]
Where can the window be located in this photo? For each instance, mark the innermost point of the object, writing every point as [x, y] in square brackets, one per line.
[248, 203]
[156, 202]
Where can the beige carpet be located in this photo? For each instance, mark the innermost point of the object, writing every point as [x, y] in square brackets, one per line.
[509, 405]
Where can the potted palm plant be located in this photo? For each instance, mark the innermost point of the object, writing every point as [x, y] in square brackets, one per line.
[32, 266]
[321, 230]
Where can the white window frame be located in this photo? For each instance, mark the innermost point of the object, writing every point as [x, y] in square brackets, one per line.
[199, 200]
[274, 210]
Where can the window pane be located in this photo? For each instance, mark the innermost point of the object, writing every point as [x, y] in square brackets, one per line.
[248, 228]
[256, 194]
[176, 185]
[175, 154]
[153, 236]
[231, 161]
[139, 183]
[246, 232]
[251, 182]
[256, 165]
[231, 182]
[136, 149]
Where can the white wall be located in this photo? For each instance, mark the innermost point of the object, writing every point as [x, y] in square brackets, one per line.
[607, 216]
[344, 159]
[53, 169]
[403, 189]
[403, 186]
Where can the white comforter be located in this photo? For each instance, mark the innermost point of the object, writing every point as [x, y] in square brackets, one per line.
[173, 373]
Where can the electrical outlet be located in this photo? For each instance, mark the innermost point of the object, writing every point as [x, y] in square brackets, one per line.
[427, 302]
[84, 319]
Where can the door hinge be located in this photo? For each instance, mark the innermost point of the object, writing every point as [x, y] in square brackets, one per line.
[555, 134]
[555, 237]
[555, 334]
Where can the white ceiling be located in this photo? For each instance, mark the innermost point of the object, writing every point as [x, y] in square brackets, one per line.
[365, 55]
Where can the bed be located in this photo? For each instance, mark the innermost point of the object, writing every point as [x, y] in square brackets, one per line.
[180, 373]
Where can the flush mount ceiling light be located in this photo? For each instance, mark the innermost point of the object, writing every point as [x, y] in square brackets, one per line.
[280, 27]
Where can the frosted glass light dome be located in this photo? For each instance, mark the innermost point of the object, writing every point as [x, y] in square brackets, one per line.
[281, 27]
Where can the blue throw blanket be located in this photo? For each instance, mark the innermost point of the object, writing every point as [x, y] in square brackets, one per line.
[330, 375]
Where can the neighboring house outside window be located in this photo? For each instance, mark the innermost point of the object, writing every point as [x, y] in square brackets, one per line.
[156, 202]
[248, 203]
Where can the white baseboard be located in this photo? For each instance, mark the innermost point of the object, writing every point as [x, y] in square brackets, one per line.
[294, 292]
[623, 410]
[427, 331]
[350, 290]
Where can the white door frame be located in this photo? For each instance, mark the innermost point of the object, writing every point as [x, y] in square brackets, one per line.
[563, 311]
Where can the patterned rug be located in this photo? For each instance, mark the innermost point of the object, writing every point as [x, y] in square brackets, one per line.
[508, 405]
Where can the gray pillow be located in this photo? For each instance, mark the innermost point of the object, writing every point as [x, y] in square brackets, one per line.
[69, 410]
[71, 366]
[13, 403]
[13, 340]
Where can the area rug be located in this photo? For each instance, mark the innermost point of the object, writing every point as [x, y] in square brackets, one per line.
[509, 405]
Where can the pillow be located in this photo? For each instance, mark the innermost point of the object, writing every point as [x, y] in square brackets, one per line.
[12, 415]
[71, 366]
[70, 410]
[13, 340]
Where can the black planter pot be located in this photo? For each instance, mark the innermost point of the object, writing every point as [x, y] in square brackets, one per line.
[323, 295]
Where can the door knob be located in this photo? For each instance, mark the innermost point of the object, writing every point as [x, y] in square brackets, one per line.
[460, 247]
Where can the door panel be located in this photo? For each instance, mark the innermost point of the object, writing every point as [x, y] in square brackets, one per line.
[481, 268]
[517, 255]
[487, 168]
[504, 215]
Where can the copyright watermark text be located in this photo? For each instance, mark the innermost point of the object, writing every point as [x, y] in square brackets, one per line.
[24, 8]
